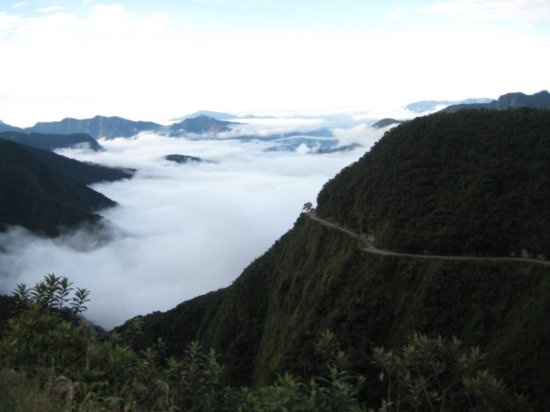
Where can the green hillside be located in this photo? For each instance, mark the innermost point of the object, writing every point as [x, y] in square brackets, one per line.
[468, 183]
[450, 179]
[39, 197]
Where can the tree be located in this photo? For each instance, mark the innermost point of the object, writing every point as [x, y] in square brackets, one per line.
[308, 208]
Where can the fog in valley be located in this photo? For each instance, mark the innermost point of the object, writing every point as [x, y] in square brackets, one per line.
[181, 230]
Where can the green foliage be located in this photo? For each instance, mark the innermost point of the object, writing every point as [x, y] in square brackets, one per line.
[48, 363]
[316, 278]
[473, 182]
[440, 375]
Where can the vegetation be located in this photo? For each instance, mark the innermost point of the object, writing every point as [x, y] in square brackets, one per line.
[315, 278]
[52, 360]
[37, 196]
[468, 183]
[448, 184]
[474, 182]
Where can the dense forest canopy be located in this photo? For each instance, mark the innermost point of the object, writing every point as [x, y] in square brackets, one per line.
[475, 182]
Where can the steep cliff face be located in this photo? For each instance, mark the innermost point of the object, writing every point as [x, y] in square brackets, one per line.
[316, 277]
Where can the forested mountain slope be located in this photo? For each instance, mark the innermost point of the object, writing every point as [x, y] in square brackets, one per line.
[39, 197]
[472, 183]
[316, 277]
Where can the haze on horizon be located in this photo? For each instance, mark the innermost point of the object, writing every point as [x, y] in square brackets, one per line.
[161, 60]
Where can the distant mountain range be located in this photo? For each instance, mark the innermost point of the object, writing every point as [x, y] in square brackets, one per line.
[97, 127]
[48, 135]
[200, 125]
[430, 105]
[540, 100]
[109, 128]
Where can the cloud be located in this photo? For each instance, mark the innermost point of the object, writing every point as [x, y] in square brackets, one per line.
[179, 230]
[493, 10]
[361, 134]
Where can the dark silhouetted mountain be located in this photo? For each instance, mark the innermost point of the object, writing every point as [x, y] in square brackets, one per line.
[39, 197]
[540, 100]
[473, 182]
[386, 122]
[97, 127]
[200, 125]
[183, 159]
[52, 141]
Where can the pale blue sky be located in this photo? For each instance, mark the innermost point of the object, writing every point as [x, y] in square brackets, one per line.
[161, 59]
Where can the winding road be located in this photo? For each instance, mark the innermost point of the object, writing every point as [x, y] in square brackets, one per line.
[370, 248]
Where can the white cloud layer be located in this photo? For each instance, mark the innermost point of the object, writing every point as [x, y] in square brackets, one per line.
[179, 230]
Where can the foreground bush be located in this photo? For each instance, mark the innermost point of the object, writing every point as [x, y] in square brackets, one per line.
[51, 360]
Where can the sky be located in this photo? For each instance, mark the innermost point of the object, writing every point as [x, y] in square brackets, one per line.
[160, 60]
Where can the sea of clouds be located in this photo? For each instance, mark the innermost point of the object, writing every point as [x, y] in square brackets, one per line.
[180, 230]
